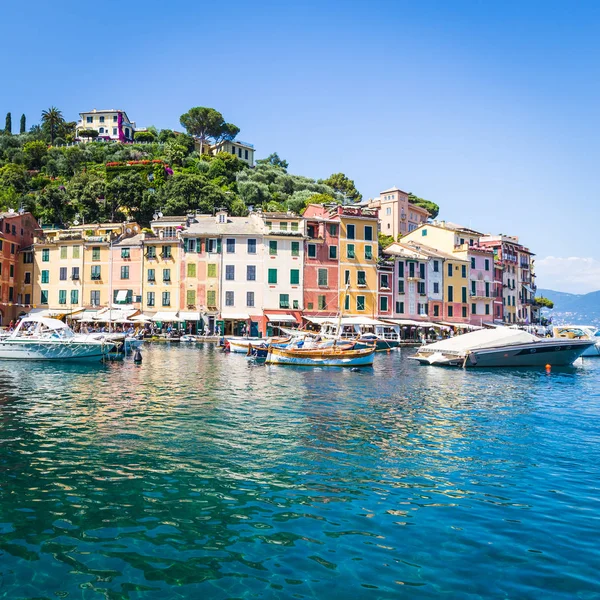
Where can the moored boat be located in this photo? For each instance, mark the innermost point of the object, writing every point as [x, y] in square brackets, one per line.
[331, 356]
[501, 347]
[580, 332]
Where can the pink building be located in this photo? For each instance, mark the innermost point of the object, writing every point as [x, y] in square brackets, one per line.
[397, 215]
[127, 261]
[385, 281]
[481, 284]
[321, 262]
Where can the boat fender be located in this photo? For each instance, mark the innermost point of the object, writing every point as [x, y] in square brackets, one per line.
[137, 357]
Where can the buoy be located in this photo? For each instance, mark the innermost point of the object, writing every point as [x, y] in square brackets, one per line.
[548, 368]
[137, 357]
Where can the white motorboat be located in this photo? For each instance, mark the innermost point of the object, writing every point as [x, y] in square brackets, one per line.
[43, 338]
[502, 347]
[579, 332]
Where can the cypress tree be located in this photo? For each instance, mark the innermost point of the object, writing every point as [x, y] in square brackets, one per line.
[8, 126]
[23, 124]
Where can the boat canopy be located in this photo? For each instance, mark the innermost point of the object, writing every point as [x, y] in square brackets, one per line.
[484, 338]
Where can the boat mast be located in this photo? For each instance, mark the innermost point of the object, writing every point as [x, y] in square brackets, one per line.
[110, 280]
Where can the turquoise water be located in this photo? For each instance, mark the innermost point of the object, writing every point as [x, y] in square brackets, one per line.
[199, 475]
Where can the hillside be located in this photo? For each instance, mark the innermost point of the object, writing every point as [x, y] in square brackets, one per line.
[582, 309]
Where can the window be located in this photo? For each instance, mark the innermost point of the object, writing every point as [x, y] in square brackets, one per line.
[89, 119]
[250, 299]
[96, 273]
[150, 298]
[283, 226]
[411, 270]
[114, 131]
[436, 288]
[388, 210]
[333, 252]
[487, 264]
[12, 247]
[101, 119]
[96, 253]
[229, 299]
[62, 296]
[473, 309]
[473, 288]
[74, 296]
[401, 286]
[269, 224]
[191, 245]
[251, 246]
[369, 233]
[272, 276]
[166, 275]
[166, 298]
[62, 273]
[401, 268]
[309, 305]
[312, 251]
[95, 297]
[151, 275]
[294, 276]
[360, 303]
[346, 277]
[115, 119]
[296, 304]
[211, 270]
[347, 303]
[166, 251]
[294, 226]
[211, 298]
[350, 232]
[383, 303]
[76, 250]
[284, 300]
[421, 288]
[423, 232]
[449, 269]
[472, 262]
[385, 281]
[487, 309]
[450, 311]
[464, 271]
[230, 246]
[464, 312]
[250, 273]
[361, 277]
[464, 294]
[27, 256]
[63, 252]
[333, 229]
[450, 293]
[151, 252]
[487, 289]
[190, 297]
[45, 255]
[436, 310]
[45, 276]
[125, 272]
[125, 253]
[273, 247]
[246, 154]
[368, 252]
[191, 270]
[422, 271]
[229, 272]
[323, 277]
[44, 297]
[27, 278]
[350, 251]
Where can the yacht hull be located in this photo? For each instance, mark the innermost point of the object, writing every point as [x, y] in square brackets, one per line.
[321, 358]
[52, 350]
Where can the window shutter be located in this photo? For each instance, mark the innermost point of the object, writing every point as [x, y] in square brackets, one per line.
[199, 243]
[218, 245]
[185, 244]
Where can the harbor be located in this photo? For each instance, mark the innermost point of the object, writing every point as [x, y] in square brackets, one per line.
[199, 473]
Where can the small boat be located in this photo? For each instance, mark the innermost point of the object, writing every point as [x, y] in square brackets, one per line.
[331, 356]
[579, 332]
[188, 337]
[240, 345]
[43, 338]
[258, 350]
[501, 347]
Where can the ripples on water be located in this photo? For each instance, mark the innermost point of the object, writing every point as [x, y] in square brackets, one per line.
[201, 475]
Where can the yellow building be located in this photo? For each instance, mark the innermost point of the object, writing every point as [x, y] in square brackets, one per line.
[358, 252]
[162, 262]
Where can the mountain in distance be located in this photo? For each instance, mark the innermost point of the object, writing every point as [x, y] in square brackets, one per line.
[578, 309]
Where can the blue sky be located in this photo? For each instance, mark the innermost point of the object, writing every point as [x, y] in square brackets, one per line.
[489, 109]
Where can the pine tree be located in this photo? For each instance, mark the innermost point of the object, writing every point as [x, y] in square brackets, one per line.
[8, 126]
[23, 127]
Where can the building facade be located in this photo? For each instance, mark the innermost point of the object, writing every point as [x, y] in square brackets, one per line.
[111, 125]
[397, 215]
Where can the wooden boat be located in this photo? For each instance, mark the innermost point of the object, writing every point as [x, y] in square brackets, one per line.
[333, 356]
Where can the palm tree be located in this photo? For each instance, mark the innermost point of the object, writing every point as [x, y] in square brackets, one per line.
[53, 118]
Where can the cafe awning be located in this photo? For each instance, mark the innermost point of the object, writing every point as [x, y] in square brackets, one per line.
[235, 317]
[166, 317]
[282, 318]
[189, 315]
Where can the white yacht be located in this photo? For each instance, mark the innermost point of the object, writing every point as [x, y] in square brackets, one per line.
[43, 338]
[502, 347]
[579, 332]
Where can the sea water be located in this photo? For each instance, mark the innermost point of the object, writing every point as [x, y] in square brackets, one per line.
[199, 474]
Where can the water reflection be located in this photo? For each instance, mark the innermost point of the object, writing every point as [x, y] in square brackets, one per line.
[201, 474]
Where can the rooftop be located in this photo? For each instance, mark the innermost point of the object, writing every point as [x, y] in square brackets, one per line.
[208, 225]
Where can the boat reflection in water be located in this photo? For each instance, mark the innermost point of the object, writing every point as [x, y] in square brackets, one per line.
[502, 347]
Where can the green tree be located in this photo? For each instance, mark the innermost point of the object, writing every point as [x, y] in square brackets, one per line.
[544, 302]
[23, 127]
[175, 152]
[86, 189]
[125, 195]
[52, 118]
[35, 153]
[342, 185]
[8, 124]
[144, 136]
[207, 124]
[384, 240]
[273, 159]
[88, 133]
[432, 207]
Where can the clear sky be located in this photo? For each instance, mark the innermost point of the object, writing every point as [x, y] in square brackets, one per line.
[489, 109]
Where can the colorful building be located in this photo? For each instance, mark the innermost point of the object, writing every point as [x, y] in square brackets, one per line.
[111, 125]
[397, 215]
